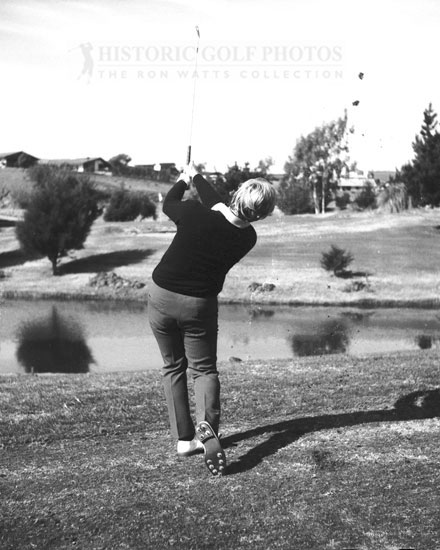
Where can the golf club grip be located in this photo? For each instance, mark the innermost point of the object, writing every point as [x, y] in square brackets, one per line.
[188, 157]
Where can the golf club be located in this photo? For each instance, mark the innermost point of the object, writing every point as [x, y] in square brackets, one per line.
[188, 158]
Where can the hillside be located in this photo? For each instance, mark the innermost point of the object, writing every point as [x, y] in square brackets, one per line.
[16, 178]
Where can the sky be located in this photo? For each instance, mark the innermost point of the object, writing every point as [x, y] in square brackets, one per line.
[83, 78]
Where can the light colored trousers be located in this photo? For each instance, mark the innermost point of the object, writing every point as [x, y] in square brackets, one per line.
[186, 330]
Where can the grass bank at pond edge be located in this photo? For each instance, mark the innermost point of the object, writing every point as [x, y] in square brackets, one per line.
[332, 452]
[396, 262]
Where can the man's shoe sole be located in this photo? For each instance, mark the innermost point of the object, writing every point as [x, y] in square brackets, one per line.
[215, 458]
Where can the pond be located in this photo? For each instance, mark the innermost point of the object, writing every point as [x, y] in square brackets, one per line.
[51, 336]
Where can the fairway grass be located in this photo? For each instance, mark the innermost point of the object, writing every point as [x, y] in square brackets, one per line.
[330, 452]
[396, 259]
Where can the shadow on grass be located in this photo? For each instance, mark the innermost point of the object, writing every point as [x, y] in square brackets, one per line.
[15, 257]
[416, 405]
[351, 274]
[7, 223]
[105, 262]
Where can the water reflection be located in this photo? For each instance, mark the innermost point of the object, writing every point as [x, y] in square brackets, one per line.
[259, 312]
[424, 341]
[53, 344]
[118, 336]
[330, 337]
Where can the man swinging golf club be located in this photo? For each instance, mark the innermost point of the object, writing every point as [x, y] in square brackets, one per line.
[211, 238]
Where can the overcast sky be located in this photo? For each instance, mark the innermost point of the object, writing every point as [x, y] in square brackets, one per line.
[102, 77]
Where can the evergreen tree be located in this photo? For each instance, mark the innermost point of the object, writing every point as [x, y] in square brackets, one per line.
[60, 214]
[422, 175]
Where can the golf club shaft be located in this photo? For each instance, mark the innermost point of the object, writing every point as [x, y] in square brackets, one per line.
[188, 157]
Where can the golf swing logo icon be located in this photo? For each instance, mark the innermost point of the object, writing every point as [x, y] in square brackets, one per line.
[88, 63]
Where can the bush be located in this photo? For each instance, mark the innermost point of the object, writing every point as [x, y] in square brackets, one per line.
[126, 206]
[342, 201]
[336, 260]
[393, 198]
[147, 206]
[294, 198]
[60, 215]
[366, 198]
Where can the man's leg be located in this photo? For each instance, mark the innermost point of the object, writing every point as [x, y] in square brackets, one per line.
[200, 339]
[170, 341]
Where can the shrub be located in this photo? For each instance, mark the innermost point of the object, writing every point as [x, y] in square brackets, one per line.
[147, 207]
[294, 198]
[60, 215]
[126, 206]
[342, 201]
[393, 198]
[336, 260]
[366, 198]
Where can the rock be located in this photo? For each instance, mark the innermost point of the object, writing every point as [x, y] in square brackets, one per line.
[265, 287]
[254, 286]
[268, 287]
[113, 281]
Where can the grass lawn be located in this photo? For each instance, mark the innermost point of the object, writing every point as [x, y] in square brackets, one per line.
[396, 259]
[324, 453]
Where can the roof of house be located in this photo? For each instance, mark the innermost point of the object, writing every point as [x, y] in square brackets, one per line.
[355, 181]
[383, 175]
[72, 162]
[12, 153]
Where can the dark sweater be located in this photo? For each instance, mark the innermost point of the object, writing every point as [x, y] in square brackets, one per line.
[205, 246]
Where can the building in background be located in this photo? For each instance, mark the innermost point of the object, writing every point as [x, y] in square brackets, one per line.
[95, 165]
[17, 159]
[161, 171]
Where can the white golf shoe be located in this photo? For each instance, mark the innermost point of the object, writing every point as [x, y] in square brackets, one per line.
[188, 448]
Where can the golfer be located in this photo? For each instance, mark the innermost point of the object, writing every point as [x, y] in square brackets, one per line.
[211, 238]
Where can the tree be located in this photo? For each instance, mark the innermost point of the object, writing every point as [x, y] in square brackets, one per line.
[120, 160]
[60, 214]
[294, 196]
[236, 175]
[393, 198]
[422, 176]
[119, 164]
[317, 162]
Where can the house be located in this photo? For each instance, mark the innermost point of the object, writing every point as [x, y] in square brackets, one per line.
[95, 165]
[163, 171]
[17, 159]
[354, 182]
[381, 177]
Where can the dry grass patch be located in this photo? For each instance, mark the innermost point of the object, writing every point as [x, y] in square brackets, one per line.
[329, 453]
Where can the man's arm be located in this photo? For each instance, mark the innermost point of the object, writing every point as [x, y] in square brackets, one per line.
[173, 200]
[208, 195]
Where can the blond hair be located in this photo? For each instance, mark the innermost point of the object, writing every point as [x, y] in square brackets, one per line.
[253, 200]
